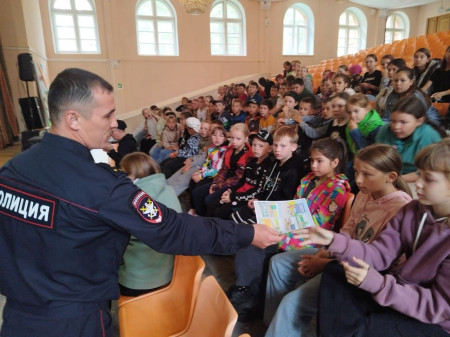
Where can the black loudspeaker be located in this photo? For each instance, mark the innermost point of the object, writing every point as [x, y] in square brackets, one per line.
[31, 113]
[26, 67]
[30, 138]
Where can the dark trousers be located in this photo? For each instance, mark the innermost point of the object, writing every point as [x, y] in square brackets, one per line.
[171, 165]
[202, 198]
[346, 310]
[146, 145]
[251, 264]
[58, 322]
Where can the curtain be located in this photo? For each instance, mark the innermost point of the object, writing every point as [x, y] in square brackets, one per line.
[9, 129]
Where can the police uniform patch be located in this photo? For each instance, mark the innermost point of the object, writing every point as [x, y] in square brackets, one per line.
[27, 207]
[146, 207]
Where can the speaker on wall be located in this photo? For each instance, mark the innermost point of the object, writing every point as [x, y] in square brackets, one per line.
[31, 113]
[26, 67]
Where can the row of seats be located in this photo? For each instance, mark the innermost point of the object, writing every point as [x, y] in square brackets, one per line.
[437, 43]
[187, 307]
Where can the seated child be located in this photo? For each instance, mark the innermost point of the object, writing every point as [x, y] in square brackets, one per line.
[337, 128]
[183, 106]
[287, 68]
[213, 162]
[280, 101]
[325, 88]
[252, 119]
[341, 83]
[356, 78]
[294, 276]
[253, 93]
[169, 140]
[238, 115]
[251, 183]
[222, 115]
[145, 134]
[144, 269]
[274, 94]
[177, 158]
[181, 179]
[316, 127]
[307, 79]
[411, 299]
[408, 132]
[235, 161]
[288, 111]
[267, 121]
[364, 123]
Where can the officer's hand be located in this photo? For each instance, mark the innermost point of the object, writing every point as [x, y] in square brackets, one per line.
[264, 236]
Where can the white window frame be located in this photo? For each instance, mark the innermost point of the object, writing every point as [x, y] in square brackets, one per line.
[361, 27]
[154, 20]
[390, 31]
[224, 21]
[306, 11]
[75, 14]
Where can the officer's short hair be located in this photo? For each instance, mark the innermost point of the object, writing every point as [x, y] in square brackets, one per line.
[73, 88]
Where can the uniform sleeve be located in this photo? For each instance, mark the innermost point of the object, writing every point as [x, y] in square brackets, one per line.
[132, 210]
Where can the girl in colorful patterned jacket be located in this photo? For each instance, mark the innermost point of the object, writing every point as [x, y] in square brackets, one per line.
[325, 188]
[213, 162]
[235, 160]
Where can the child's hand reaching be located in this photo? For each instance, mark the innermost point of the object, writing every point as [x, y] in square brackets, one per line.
[356, 275]
[315, 235]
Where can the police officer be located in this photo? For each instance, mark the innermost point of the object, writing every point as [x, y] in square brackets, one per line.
[65, 221]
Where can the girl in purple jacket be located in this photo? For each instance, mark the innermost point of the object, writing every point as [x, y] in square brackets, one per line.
[411, 299]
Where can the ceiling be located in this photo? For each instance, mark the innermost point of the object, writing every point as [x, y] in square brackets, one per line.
[392, 4]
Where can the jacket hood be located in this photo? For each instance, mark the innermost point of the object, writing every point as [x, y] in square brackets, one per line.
[156, 181]
[396, 197]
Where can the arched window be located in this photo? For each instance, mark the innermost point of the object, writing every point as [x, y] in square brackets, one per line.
[227, 28]
[74, 26]
[397, 27]
[156, 28]
[298, 30]
[352, 31]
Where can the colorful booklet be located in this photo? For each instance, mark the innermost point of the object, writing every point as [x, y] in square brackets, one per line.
[284, 216]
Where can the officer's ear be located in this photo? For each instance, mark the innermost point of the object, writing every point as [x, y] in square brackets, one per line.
[72, 118]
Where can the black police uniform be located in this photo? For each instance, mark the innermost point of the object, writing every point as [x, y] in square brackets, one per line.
[64, 224]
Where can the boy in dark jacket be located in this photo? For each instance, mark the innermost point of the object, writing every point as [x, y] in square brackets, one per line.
[280, 184]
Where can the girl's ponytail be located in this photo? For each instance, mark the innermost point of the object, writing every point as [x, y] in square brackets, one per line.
[402, 185]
